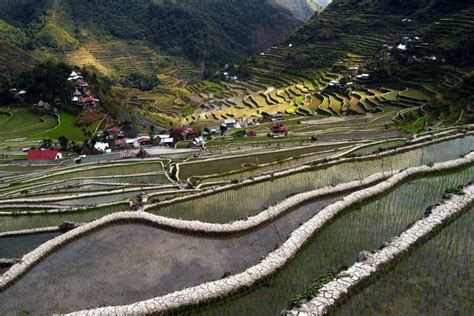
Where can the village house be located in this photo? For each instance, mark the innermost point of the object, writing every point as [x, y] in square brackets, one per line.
[75, 76]
[354, 70]
[182, 133]
[44, 106]
[18, 95]
[278, 128]
[141, 141]
[43, 154]
[363, 76]
[88, 101]
[198, 142]
[164, 140]
[103, 148]
[120, 143]
[230, 123]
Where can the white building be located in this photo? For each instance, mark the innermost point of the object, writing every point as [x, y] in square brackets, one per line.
[103, 147]
[402, 47]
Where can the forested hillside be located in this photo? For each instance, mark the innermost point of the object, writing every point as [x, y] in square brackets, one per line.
[209, 31]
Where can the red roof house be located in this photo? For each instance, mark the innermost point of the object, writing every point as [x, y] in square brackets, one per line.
[115, 129]
[89, 100]
[38, 154]
[278, 127]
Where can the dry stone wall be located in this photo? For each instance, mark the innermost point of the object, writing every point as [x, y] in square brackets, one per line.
[32, 231]
[353, 278]
[221, 288]
[414, 144]
[275, 260]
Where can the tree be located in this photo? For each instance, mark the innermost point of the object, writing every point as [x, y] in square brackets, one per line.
[151, 132]
[63, 142]
[46, 143]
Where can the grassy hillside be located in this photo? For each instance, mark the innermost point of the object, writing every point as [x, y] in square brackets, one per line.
[163, 47]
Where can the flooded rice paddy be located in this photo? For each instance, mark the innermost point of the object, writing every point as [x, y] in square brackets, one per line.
[249, 200]
[126, 263]
[435, 279]
[338, 245]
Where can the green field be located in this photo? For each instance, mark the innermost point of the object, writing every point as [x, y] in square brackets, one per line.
[68, 128]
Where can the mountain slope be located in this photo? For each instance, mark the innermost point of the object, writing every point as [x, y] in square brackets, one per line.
[301, 9]
[302, 74]
[208, 31]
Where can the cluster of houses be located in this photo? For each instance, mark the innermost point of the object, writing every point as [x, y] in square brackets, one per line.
[81, 95]
[17, 94]
[352, 77]
[413, 47]
[114, 140]
[41, 105]
[229, 77]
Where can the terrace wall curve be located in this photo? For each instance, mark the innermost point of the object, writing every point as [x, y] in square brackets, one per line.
[269, 265]
[275, 260]
[358, 274]
[308, 167]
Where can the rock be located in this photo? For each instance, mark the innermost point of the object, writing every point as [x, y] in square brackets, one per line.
[226, 275]
[8, 262]
[363, 255]
[67, 226]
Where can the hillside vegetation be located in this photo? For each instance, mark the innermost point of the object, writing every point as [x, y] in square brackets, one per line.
[210, 32]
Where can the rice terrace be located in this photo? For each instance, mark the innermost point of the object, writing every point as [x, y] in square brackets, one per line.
[270, 157]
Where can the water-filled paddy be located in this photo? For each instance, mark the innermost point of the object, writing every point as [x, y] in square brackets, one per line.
[76, 185]
[126, 263]
[216, 166]
[17, 246]
[339, 243]
[19, 222]
[435, 279]
[221, 207]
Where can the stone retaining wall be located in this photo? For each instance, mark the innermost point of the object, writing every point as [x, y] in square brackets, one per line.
[83, 167]
[306, 168]
[224, 287]
[57, 210]
[8, 194]
[275, 260]
[32, 231]
[353, 278]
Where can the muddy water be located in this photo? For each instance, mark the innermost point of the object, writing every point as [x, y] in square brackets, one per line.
[126, 263]
[15, 247]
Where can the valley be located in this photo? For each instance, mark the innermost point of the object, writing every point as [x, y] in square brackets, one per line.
[239, 158]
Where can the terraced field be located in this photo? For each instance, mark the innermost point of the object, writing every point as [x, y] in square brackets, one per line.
[296, 93]
[120, 58]
[438, 267]
[362, 206]
[109, 244]
[278, 85]
[23, 128]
